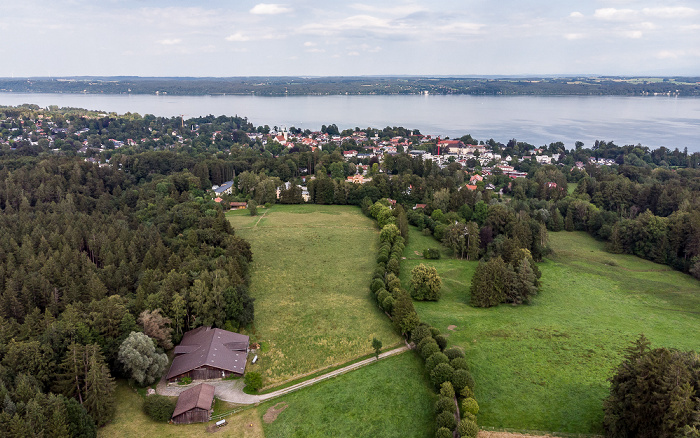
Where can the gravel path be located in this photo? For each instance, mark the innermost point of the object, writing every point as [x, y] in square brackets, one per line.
[232, 390]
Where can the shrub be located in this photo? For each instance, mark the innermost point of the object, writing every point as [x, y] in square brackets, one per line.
[454, 352]
[468, 416]
[382, 257]
[467, 392]
[434, 331]
[253, 381]
[459, 363]
[441, 341]
[443, 432]
[381, 295]
[393, 266]
[159, 408]
[441, 374]
[447, 420]
[461, 379]
[431, 254]
[184, 380]
[419, 333]
[394, 284]
[447, 390]
[426, 232]
[429, 349]
[445, 404]
[388, 304]
[376, 285]
[468, 428]
[379, 272]
[435, 359]
[470, 405]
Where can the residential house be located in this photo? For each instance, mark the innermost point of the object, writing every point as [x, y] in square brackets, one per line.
[225, 188]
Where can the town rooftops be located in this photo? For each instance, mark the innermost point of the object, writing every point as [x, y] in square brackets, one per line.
[200, 396]
[214, 348]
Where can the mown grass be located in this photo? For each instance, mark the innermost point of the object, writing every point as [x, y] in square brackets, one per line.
[310, 279]
[131, 421]
[544, 366]
[390, 398]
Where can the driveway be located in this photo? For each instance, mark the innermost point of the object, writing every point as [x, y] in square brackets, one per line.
[232, 390]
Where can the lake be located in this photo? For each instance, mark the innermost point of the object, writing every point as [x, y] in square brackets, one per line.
[650, 120]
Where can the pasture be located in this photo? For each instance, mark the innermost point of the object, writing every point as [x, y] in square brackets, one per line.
[543, 366]
[390, 398]
[310, 279]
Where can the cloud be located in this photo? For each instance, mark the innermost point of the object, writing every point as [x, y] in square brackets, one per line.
[612, 14]
[237, 37]
[353, 53]
[270, 9]
[575, 36]
[309, 44]
[398, 10]
[576, 14]
[170, 41]
[668, 54]
[670, 12]
[315, 50]
[634, 34]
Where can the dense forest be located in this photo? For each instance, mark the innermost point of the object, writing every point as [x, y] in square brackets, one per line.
[280, 86]
[84, 251]
[100, 236]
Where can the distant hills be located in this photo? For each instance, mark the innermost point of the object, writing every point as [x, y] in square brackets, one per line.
[358, 85]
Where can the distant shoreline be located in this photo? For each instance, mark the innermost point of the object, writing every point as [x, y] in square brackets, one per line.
[361, 85]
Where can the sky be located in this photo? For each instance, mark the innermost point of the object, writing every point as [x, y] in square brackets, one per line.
[337, 38]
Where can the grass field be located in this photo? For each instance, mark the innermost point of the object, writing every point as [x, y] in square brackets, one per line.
[131, 422]
[544, 366]
[391, 398]
[310, 277]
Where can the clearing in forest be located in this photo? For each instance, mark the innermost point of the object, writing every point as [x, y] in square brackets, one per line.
[545, 366]
[310, 279]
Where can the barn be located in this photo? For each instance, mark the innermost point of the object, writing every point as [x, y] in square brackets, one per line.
[194, 405]
[209, 353]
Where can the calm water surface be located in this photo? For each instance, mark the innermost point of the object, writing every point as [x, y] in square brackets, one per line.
[651, 121]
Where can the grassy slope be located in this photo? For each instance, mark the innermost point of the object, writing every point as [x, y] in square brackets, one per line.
[130, 421]
[391, 398]
[310, 276]
[544, 366]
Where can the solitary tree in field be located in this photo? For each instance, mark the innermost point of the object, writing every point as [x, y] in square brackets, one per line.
[252, 207]
[425, 283]
[377, 345]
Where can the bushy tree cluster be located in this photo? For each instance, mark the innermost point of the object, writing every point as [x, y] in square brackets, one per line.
[654, 393]
[448, 372]
[496, 281]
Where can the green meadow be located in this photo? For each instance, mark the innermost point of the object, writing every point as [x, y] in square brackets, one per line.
[544, 366]
[390, 398]
[309, 277]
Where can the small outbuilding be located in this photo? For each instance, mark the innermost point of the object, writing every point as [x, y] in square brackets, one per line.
[194, 405]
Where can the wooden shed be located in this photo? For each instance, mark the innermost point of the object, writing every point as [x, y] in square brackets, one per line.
[194, 405]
